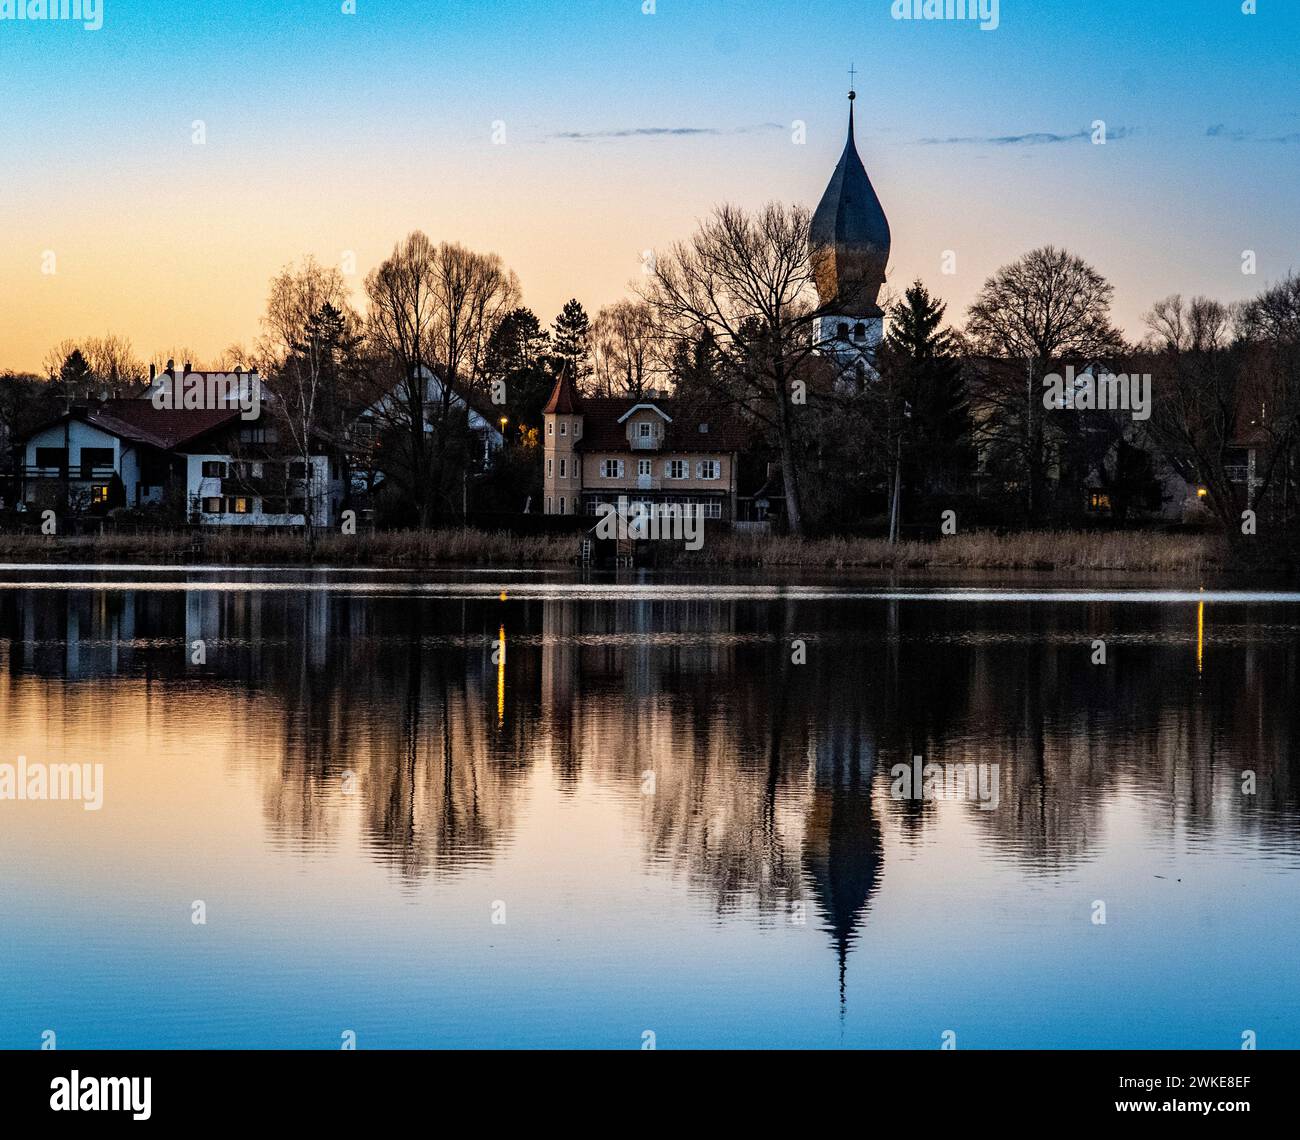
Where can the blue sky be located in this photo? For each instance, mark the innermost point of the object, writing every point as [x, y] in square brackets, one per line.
[328, 132]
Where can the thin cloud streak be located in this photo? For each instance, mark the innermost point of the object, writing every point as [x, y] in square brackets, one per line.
[662, 132]
[1035, 138]
[1243, 134]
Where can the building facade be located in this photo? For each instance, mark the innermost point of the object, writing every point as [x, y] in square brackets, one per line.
[211, 465]
[651, 451]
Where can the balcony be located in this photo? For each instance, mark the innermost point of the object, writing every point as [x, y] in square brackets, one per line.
[640, 444]
[648, 483]
[78, 472]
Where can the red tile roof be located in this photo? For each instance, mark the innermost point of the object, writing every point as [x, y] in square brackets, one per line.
[602, 431]
[163, 428]
[564, 399]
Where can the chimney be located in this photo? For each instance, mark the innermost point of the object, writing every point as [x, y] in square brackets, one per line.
[187, 368]
[153, 371]
[171, 364]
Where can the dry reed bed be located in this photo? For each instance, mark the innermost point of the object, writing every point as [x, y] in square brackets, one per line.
[1033, 550]
[979, 550]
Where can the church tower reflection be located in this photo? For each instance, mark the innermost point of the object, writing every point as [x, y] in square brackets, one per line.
[842, 851]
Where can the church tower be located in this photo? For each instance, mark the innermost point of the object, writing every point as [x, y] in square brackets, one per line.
[849, 250]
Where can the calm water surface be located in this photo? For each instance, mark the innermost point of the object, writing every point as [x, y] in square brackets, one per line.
[643, 815]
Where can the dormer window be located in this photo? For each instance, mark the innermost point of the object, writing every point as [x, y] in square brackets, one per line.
[644, 429]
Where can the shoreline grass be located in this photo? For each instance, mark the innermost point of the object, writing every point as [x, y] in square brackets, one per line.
[1038, 551]
[1043, 551]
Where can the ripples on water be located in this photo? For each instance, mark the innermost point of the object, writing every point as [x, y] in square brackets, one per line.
[685, 831]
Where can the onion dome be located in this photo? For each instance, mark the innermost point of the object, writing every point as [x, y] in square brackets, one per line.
[849, 237]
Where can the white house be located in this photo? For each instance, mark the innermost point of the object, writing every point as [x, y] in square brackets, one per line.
[224, 469]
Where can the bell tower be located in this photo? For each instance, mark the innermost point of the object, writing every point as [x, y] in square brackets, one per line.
[849, 246]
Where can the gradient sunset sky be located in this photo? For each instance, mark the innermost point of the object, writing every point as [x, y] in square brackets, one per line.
[329, 132]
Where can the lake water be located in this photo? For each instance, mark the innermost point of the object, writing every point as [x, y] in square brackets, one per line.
[503, 809]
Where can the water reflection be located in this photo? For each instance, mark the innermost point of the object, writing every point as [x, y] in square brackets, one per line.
[749, 738]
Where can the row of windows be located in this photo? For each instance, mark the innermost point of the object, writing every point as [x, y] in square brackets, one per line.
[673, 468]
[615, 468]
[244, 505]
[241, 469]
[688, 508]
[90, 457]
[645, 429]
[564, 468]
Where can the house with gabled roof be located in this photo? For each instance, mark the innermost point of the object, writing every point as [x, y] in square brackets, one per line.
[118, 453]
[222, 469]
[651, 449]
[390, 412]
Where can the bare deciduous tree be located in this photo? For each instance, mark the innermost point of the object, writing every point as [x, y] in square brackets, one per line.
[746, 281]
[433, 310]
[308, 326]
[1046, 307]
[626, 349]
